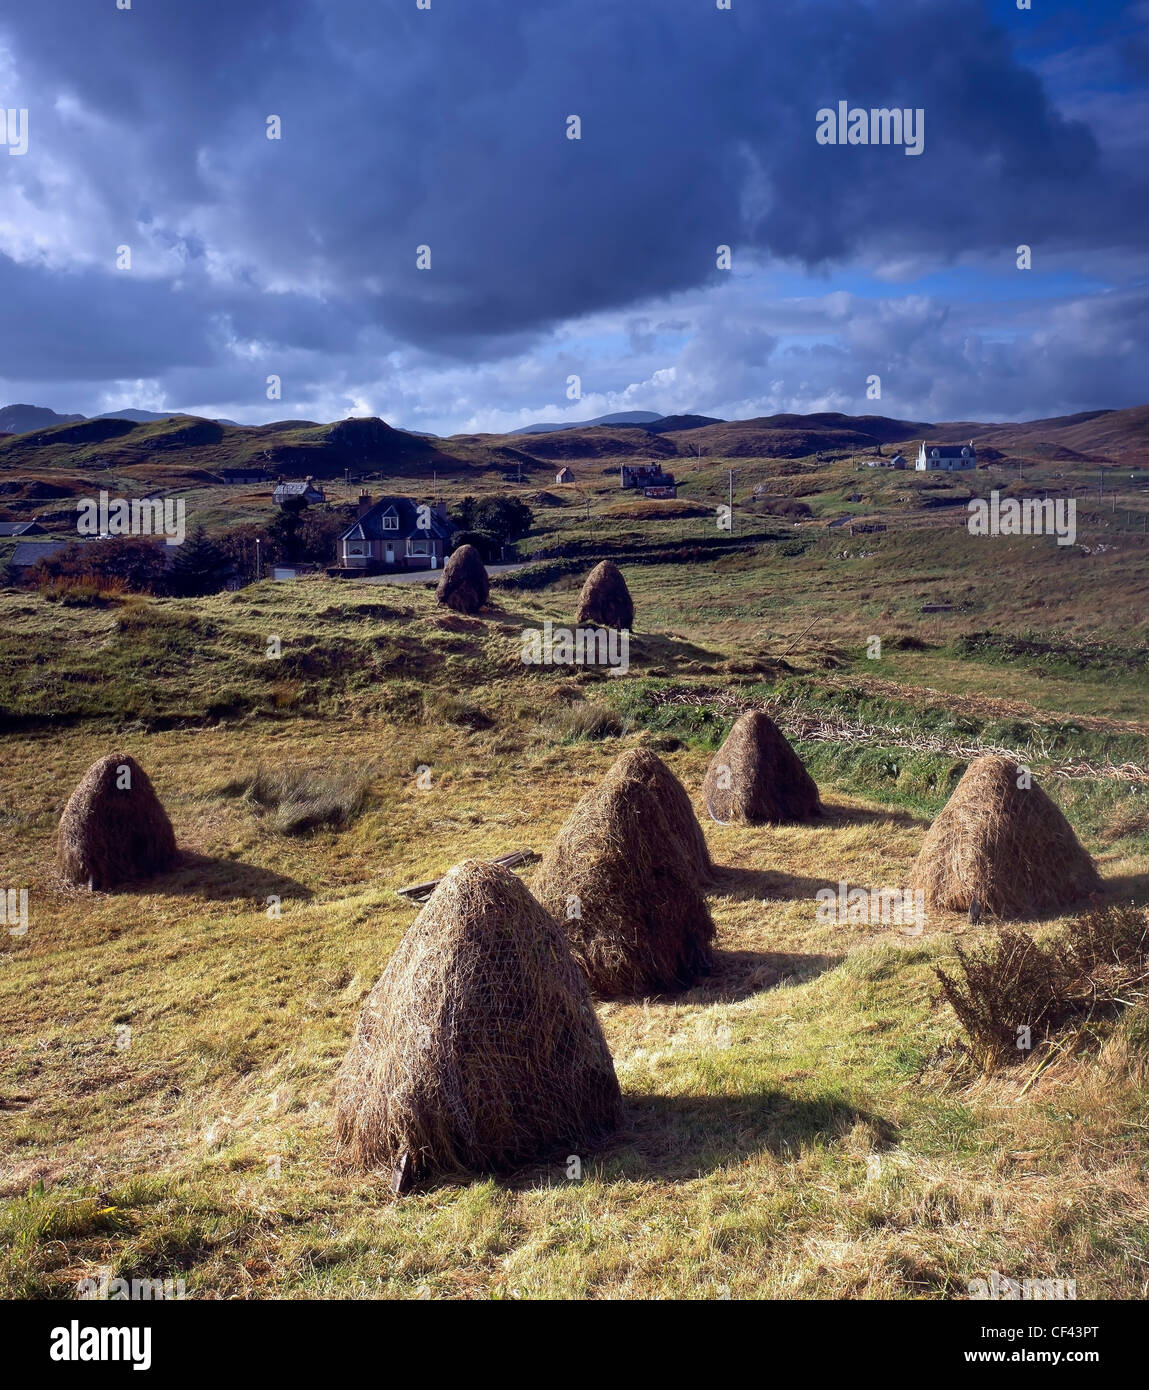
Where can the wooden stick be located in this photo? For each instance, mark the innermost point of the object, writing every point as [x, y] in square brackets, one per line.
[802, 634]
[512, 859]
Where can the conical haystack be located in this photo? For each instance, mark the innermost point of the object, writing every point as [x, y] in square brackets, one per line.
[464, 585]
[664, 787]
[1006, 847]
[478, 1048]
[604, 599]
[114, 829]
[757, 778]
[623, 880]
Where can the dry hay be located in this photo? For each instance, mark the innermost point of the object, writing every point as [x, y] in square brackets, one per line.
[478, 1048]
[1005, 847]
[114, 829]
[756, 777]
[464, 586]
[604, 599]
[646, 766]
[623, 879]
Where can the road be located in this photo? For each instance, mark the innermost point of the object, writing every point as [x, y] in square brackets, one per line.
[429, 576]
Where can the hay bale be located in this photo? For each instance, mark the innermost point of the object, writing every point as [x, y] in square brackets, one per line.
[114, 829]
[623, 880]
[478, 1048]
[604, 599]
[464, 586]
[1006, 847]
[756, 778]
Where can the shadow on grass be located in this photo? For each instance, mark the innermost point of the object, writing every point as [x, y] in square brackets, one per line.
[739, 974]
[221, 880]
[656, 648]
[1128, 888]
[745, 884]
[837, 815]
[676, 1138]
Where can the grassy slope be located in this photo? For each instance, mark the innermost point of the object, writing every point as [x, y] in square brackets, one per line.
[800, 1126]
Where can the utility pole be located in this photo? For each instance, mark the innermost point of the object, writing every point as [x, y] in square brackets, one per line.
[730, 501]
[258, 566]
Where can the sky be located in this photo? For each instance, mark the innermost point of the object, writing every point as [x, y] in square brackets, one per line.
[426, 243]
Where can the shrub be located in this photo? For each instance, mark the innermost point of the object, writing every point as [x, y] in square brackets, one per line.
[1101, 962]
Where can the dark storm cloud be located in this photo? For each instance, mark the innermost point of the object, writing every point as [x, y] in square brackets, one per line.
[446, 128]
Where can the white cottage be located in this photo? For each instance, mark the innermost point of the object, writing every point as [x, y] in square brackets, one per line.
[946, 457]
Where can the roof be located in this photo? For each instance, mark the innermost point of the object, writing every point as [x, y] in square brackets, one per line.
[296, 489]
[369, 527]
[32, 552]
[20, 528]
[949, 450]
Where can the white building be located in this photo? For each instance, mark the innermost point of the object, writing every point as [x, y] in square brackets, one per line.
[947, 457]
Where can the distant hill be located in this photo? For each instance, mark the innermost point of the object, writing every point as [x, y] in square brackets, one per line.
[139, 416]
[369, 447]
[624, 417]
[794, 436]
[293, 447]
[668, 423]
[597, 441]
[19, 419]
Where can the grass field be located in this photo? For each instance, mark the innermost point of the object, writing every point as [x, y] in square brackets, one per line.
[803, 1124]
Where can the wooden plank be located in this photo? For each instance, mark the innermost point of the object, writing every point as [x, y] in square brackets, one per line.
[512, 859]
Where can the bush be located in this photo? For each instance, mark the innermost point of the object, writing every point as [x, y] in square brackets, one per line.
[1101, 962]
[114, 565]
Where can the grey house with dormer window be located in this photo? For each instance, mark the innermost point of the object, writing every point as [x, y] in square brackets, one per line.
[396, 533]
[946, 457]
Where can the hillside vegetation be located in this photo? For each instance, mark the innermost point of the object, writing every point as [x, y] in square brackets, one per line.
[802, 1124]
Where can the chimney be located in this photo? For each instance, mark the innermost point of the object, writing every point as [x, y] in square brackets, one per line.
[439, 507]
[364, 504]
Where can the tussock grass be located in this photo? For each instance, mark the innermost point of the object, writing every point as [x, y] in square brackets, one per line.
[295, 800]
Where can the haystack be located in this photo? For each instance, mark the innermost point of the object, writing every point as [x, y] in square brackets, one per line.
[114, 829]
[1004, 847]
[478, 1048]
[623, 880]
[664, 787]
[756, 777]
[604, 599]
[464, 586]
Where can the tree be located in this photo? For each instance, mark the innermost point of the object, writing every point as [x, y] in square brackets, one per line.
[319, 530]
[464, 514]
[201, 566]
[283, 531]
[504, 517]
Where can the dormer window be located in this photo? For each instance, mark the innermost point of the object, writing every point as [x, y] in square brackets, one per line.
[391, 521]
